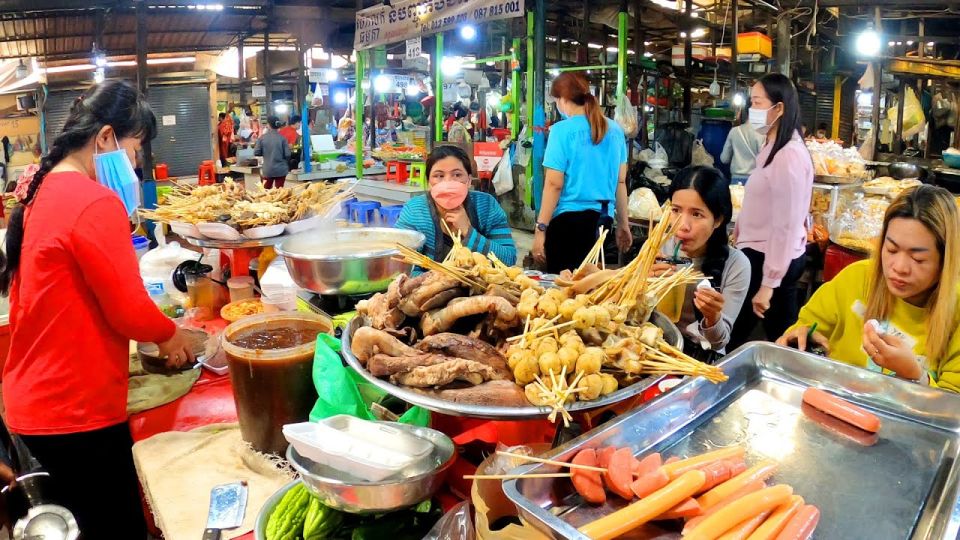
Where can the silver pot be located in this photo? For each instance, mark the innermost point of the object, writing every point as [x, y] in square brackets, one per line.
[348, 261]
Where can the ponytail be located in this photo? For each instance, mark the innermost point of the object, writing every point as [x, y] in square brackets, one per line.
[114, 103]
[575, 88]
[598, 122]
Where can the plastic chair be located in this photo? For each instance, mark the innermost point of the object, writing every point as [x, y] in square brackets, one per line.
[418, 174]
[364, 212]
[397, 172]
[207, 174]
[390, 214]
[345, 207]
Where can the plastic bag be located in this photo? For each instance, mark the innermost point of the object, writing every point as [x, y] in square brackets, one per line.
[859, 224]
[700, 156]
[503, 176]
[642, 204]
[454, 525]
[341, 390]
[626, 115]
[677, 141]
[492, 506]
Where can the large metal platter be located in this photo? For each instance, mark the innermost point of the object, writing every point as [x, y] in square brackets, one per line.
[670, 333]
[902, 486]
[245, 243]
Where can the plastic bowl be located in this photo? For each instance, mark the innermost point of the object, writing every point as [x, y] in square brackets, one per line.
[951, 160]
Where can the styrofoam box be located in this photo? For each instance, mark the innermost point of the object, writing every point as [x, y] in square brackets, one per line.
[367, 450]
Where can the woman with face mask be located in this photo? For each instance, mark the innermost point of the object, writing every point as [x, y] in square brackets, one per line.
[76, 302]
[771, 230]
[450, 207]
[700, 199]
[897, 312]
[585, 179]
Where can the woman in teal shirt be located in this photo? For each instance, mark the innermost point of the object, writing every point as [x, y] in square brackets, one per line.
[585, 185]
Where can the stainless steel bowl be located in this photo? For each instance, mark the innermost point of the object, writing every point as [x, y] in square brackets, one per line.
[343, 492]
[359, 271]
[901, 170]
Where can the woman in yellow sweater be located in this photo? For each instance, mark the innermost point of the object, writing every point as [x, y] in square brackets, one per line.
[898, 312]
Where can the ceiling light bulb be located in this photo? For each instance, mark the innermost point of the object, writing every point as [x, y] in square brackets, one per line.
[382, 84]
[340, 98]
[868, 43]
[468, 32]
[738, 100]
[450, 66]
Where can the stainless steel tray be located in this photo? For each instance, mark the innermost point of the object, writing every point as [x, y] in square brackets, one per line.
[903, 486]
[670, 333]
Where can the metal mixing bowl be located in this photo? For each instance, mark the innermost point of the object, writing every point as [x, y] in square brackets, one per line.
[901, 170]
[360, 271]
[343, 492]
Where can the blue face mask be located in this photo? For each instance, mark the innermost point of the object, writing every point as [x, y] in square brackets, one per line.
[115, 171]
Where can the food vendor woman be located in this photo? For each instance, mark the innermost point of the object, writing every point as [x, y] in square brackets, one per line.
[897, 312]
[76, 302]
[451, 207]
[701, 199]
[585, 179]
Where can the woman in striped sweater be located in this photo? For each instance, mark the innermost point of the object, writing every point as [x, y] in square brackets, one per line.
[477, 217]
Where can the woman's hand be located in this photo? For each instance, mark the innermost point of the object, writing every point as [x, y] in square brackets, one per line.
[538, 251]
[624, 237]
[458, 222]
[710, 302]
[890, 352]
[661, 269]
[761, 301]
[178, 350]
[798, 337]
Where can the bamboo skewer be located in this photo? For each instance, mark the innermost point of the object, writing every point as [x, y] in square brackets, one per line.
[542, 330]
[513, 476]
[551, 462]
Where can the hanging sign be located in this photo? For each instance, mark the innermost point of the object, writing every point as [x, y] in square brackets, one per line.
[259, 91]
[404, 19]
[380, 58]
[414, 48]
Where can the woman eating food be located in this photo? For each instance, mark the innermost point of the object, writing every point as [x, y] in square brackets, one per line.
[451, 208]
[897, 312]
[76, 302]
[585, 179]
[772, 226]
[700, 199]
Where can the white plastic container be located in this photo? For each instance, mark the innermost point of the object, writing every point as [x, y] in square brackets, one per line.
[156, 270]
[240, 287]
[267, 231]
[279, 300]
[219, 231]
[371, 451]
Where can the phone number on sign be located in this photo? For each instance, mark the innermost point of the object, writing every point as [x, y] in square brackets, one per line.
[496, 10]
[441, 23]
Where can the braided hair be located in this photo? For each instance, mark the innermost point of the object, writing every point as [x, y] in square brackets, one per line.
[113, 103]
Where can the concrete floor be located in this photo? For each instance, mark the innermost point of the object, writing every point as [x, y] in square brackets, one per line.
[524, 241]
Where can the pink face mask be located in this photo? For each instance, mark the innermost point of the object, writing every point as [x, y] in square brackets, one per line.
[449, 194]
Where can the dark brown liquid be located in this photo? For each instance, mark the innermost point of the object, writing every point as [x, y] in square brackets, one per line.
[272, 392]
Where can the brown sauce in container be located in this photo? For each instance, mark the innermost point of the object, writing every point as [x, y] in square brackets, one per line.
[271, 368]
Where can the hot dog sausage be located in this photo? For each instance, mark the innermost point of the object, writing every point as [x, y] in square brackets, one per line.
[588, 483]
[778, 519]
[761, 471]
[679, 467]
[801, 525]
[619, 473]
[739, 511]
[842, 409]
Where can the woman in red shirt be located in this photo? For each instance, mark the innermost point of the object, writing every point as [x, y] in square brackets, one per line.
[76, 302]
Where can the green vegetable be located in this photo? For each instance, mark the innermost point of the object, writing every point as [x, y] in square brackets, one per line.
[286, 521]
[321, 520]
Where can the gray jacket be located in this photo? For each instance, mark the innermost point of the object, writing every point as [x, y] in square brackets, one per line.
[276, 152]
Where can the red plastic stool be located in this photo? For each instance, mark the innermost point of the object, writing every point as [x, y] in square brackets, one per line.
[837, 258]
[207, 175]
[397, 172]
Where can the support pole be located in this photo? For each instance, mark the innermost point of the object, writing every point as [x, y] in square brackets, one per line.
[622, 31]
[875, 115]
[898, 138]
[783, 45]
[302, 91]
[241, 71]
[734, 64]
[359, 139]
[688, 59]
[515, 91]
[539, 115]
[438, 90]
[149, 185]
[266, 62]
[639, 37]
[837, 94]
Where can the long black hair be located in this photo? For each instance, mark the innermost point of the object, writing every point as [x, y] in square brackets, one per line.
[781, 90]
[714, 189]
[444, 151]
[113, 103]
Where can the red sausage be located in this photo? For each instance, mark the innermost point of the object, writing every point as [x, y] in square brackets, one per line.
[801, 525]
[588, 483]
[839, 427]
[687, 509]
[737, 466]
[842, 409]
[647, 484]
[648, 464]
[717, 472]
[671, 459]
[619, 473]
[604, 454]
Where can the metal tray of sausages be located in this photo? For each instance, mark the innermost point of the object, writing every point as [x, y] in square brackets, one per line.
[902, 483]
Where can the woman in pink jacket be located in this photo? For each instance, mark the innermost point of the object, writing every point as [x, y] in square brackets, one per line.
[771, 229]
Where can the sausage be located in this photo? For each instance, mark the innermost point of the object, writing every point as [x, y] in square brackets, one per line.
[592, 281]
[648, 464]
[636, 514]
[778, 519]
[679, 467]
[839, 427]
[672, 459]
[761, 471]
[802, 524]
[736, 466]
[717, 472]
[588, 483]
[604, 454]
[739, 511]
[649, 483]
[743, 530]
[746, 490]
[619, 473]
[687, 509]
[842, 409]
